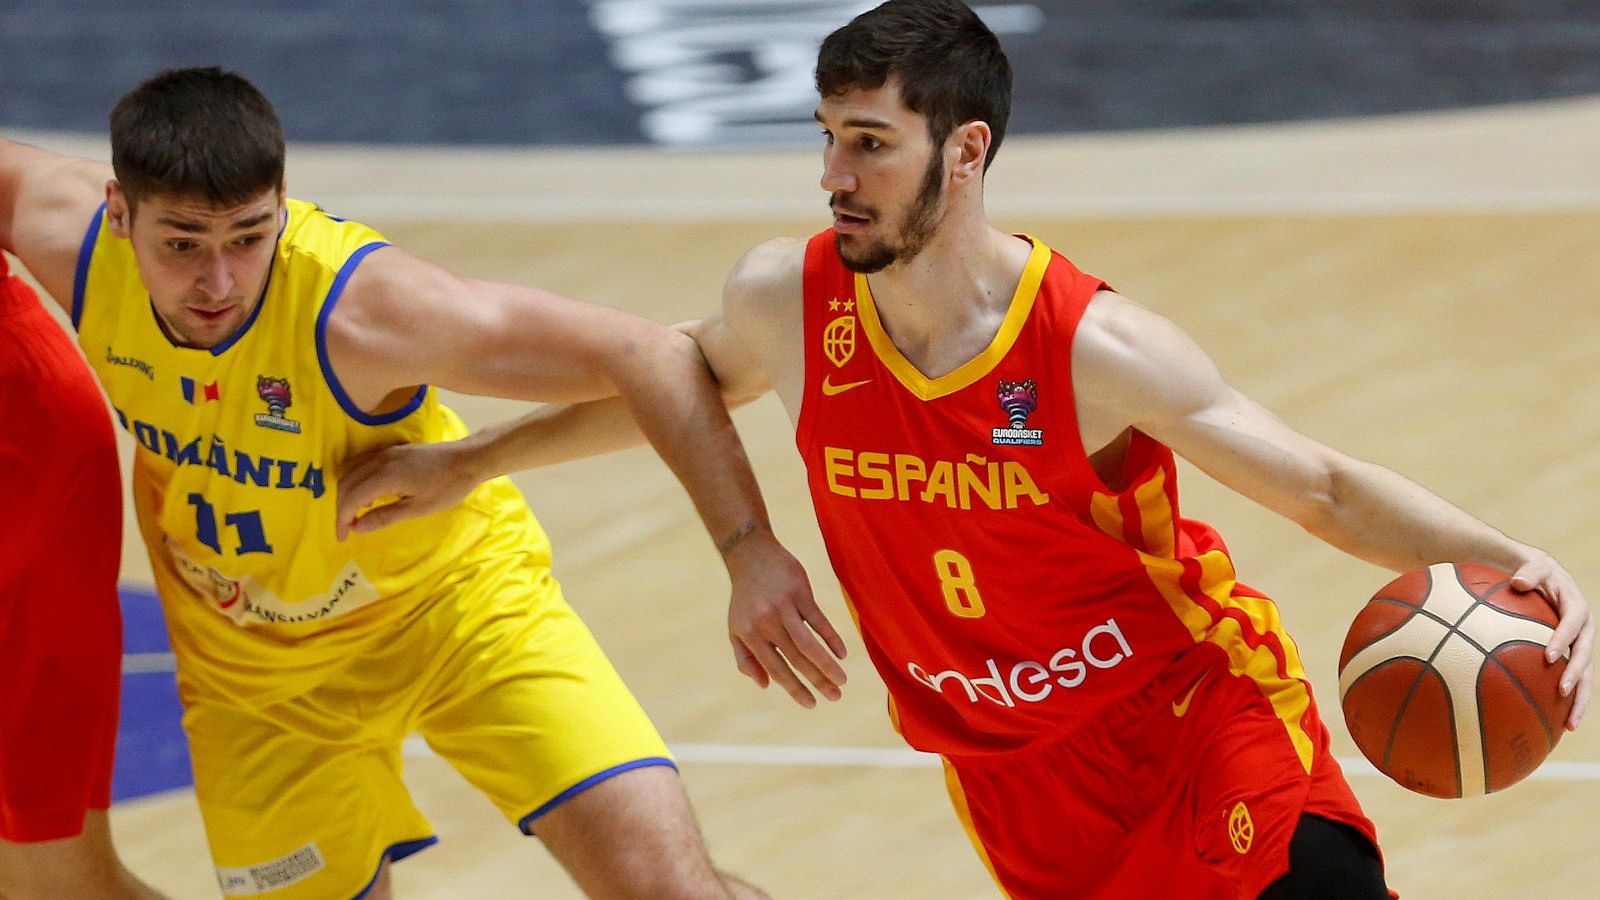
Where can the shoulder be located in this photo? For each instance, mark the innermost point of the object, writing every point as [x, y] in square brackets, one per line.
[1127, 355]
[1115, 329]
[769, 272]
[392, 291]
[764, 290]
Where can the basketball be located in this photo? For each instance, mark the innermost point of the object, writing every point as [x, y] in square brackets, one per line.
[1444, 683]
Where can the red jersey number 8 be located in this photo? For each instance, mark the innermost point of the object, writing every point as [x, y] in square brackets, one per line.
[955, 580]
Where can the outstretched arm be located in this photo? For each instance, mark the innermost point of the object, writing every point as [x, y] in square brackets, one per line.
[404, 321]
[410, 480]
[671, 388]
[1133, 368]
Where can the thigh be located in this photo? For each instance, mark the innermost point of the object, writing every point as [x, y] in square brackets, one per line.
[290, 813]
[1155, 800]
[58, 709]
[1255, 779]
[1246, 785]
[60, 626]
[1047, 823]
[528, 708]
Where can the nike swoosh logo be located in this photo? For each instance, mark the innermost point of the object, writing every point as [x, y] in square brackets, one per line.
[830, 389]
[1180, 708]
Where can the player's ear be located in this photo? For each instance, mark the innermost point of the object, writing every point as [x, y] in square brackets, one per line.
[119, 213]
[970, 144]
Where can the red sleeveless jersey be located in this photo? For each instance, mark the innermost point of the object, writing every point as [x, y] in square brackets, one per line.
[1004, 592]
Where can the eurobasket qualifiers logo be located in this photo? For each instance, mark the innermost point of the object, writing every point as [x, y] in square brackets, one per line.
[1019, 399]
[275, 391]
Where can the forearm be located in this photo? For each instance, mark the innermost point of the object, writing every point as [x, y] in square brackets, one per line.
[676, 403]
[667, 398]
[553, 433]
[1388, 520]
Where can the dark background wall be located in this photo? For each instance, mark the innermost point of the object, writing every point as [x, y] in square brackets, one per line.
[696, 72]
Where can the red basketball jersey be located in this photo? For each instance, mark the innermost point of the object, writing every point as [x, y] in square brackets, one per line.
[1004, 592]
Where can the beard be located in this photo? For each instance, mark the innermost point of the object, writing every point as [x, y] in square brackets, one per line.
[921, 221]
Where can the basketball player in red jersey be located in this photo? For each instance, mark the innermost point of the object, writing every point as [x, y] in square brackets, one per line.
[60, 626]
[989, 435]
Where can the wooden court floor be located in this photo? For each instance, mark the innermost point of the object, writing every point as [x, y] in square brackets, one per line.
[1454, 344]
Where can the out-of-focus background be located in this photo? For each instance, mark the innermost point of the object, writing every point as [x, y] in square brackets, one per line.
[1380, 218]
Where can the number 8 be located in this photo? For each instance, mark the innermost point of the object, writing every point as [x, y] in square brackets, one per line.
[955, 580]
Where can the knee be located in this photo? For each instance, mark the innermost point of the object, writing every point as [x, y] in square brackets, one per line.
[682, 882]
[82, 866]
[45, 878]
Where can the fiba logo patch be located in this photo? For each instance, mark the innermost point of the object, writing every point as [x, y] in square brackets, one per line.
[1241, 830]
[275, 391]
[1018, 399]
[839, 340]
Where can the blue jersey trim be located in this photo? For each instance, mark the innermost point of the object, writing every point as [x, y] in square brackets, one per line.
[80, 280]
[395, 853]
[261, 301]
[526, 824]
[349, 406]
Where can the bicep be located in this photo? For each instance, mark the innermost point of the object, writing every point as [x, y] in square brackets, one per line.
[760, 333]
[1158, 380]
[406, 321]
[735, 367]
[1248, 448]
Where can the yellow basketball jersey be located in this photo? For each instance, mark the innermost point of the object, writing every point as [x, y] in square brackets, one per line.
[239, 450]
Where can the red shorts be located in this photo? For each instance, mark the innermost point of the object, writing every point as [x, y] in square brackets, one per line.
[1150, 804]
[60, 551]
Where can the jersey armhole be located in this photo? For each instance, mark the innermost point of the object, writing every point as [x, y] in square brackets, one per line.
[813, 274]
[1086, 286]
[339, 394]
[80, 277]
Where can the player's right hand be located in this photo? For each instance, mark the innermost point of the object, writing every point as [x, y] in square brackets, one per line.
[402, 482]
[774, 622]
[1574, 635]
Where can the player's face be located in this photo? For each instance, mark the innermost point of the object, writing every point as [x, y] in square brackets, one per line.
[885, 178]
[205, 266]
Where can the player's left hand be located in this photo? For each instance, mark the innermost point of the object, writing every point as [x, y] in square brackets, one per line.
[1575, 632]
[402, 482]
[774, 622]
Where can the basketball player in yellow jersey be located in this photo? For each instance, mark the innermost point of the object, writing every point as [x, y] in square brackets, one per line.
[914, 99]
[252, 344]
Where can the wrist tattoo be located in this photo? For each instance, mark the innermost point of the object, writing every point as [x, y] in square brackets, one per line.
[743, 531]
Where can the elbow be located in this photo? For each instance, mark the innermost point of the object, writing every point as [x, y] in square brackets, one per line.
[629, 342]
[1323, 506]
[648, 353]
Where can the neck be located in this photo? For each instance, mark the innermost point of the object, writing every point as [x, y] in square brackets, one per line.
[945, 305]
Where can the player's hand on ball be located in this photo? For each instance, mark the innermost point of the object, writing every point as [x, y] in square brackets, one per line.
[402, 482]
[774, 622]
[1575, 633]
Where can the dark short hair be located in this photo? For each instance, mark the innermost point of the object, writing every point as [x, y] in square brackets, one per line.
[203, 133]
[949, 63]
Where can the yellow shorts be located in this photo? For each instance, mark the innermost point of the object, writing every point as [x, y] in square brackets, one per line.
[496, 672]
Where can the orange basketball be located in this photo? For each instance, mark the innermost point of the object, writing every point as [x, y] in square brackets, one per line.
[1444, 684]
